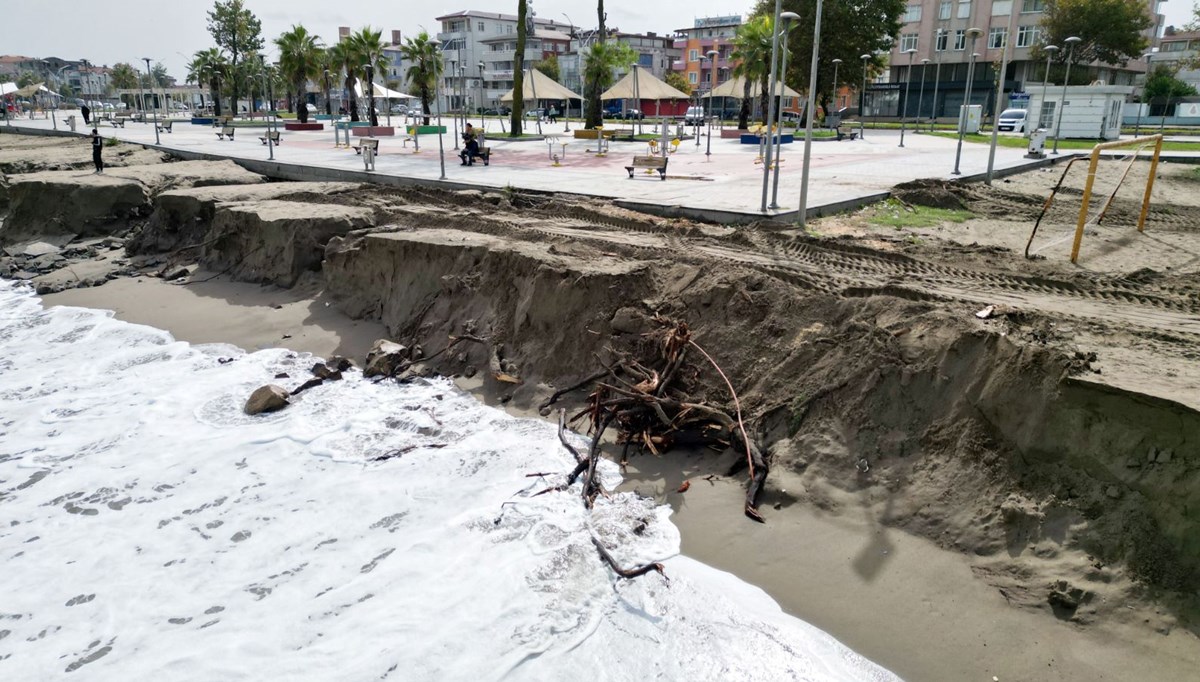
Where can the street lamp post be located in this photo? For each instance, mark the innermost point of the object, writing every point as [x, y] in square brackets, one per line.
[937, 78]
[370, 92]
[1066, 79]
[1049, 50]
[482, 121]
[637, 98]
[921, 97]
[774, 74]
[533, 91]
[862, 98]
[696, 124]
[148, 76]
[996, 108]
[328, 104]
[965, 110]
[270, 142]
[836, 64]
[810, 110]
[712, 84]
[789, 19]
[1137, 130]
[907, 84]
[462, 95]
[437, 87]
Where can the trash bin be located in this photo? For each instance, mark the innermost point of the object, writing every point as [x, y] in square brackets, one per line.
[1037, 144]
[368, 154]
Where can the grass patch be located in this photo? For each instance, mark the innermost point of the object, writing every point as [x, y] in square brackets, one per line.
[892, 213]
[1022, 143]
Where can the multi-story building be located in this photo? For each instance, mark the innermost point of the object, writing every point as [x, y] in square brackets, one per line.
[705, 35]
[656, 54]
[1179, 51]
[470, 38]
[937, 30]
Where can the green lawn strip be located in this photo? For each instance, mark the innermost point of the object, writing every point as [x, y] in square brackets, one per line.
[892, 213]
[1022, 143]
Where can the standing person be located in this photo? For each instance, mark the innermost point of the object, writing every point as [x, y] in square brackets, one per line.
[87, 114]
[97, 145]
[553, 114]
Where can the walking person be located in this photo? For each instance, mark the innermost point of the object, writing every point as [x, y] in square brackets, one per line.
[97, 145]
[553, 114]
[87, 114]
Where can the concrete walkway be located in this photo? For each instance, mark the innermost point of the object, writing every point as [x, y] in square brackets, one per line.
[726, 186]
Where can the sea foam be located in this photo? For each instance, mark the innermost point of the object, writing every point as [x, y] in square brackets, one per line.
[151, 530]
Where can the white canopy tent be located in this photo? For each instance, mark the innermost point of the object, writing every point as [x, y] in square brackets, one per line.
[648, 86]
[381, 92]
[735, 87]
[539, 85]
[8, 88]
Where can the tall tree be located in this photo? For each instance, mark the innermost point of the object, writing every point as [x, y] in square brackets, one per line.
[549, 67]
[518, 96]
[123, 77]
[326, 64]
[603, 62]
[752, 54]
[209, 67]
[1112, 31]
[848, 30]
[299, 60]
[159, 75]
[346, 59]
[594, 87]
[238, 32]
[679, 82]
[425, 68]
[368, 47]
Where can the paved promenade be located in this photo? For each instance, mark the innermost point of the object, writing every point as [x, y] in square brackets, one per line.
[728, 182]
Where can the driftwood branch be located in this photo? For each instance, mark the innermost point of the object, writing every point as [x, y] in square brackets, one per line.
[627, 572]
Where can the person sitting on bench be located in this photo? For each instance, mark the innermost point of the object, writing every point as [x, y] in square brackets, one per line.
[470, 146]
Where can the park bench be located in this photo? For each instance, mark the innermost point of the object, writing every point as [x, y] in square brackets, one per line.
[484, 154]
[165, 126]
[118, 121]
[226, 133]
[273, 136]
[222, 121]
[846, 130]
[366, 143]
[651, 163]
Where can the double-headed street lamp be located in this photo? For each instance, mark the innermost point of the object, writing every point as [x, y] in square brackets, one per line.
[1049, 50]
[907, 84]
[149, 77]
[964, 113]
[862, 98]
[1066, 79]
[712, 84]
[789, 19]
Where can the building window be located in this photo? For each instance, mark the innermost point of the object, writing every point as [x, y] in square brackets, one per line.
[964, 9]
[960, 40]
[510, 29]
[692, 77]
[908, 41]
[1047, 118]
[1001, 8]
[482, 27]
[1178, 46]
[1028, 6]
[693, 55]
[943, 38]
[1028, 36]
[944, 9]
[997, 38]
[912, 13]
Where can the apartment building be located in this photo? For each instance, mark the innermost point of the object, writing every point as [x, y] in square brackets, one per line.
[937, 30]
[470, 38]
[1179, 50]
[656, 54]
[695, 42]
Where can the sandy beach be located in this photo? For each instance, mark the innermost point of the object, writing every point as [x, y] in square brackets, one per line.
[915, 608]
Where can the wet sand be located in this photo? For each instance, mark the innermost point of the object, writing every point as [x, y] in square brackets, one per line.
[914, 608]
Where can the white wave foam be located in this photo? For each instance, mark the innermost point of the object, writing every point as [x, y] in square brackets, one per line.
[152, 531]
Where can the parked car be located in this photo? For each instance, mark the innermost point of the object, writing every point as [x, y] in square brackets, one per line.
[634, 114]
[535, 113]
[693, 116]
[1012, 119]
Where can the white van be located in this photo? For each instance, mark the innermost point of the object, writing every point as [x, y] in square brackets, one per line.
[694, 116]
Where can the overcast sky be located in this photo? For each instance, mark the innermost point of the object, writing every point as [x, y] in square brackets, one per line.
[169, 31]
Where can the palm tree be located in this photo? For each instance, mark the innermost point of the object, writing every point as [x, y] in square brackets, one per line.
[158, 73]
[425, 70]
[345, 59]
[209, 67]
[594, 88]
[752, 52]
[326, 65]
[299, 60]
[368, 45]
[124, 77]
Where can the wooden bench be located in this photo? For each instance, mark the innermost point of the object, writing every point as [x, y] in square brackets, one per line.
[483, 154]
[846, 130]
[118, 121]
[273, 136]
[165, 126]
[222, 121]
[226, 133]
[367, 143]
[658, 163]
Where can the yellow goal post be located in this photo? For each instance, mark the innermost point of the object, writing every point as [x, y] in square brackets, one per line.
[1156, 140]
